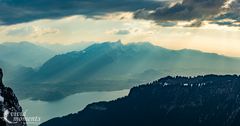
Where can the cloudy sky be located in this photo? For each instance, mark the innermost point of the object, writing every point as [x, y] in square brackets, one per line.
[207, 25]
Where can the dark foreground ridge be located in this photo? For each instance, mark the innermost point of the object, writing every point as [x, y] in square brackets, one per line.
[10, 110]
[209, 100]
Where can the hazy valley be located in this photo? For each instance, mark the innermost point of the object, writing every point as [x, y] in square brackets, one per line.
[106, 66]
[120, 63]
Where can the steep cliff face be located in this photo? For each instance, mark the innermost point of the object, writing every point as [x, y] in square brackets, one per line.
[210, 100]
[10, 111]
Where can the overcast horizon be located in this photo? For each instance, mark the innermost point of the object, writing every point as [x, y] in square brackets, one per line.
[206, 25]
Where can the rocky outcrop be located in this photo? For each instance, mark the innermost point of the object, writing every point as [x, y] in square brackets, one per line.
[10, 111]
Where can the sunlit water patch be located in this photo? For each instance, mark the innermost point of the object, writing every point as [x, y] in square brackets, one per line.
[71, 104]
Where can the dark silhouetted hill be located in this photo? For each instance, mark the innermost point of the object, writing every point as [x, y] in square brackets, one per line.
[211, 100]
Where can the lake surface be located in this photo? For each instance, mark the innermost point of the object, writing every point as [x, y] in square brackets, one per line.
[71, 104]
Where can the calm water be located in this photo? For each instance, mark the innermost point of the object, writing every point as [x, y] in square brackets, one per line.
[70, 104]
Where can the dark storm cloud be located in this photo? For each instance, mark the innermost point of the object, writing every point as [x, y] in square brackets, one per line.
[186, 10]
[167, 24]
[196, 23]
[234, 9]
[227, 23]
[18, 11]
[232, 13]
[164, 13]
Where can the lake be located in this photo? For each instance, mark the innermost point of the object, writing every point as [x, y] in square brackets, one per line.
[71, 104]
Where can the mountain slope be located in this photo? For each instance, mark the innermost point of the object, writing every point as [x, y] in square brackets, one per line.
[24, 54]
[172, 101]
[115, 60]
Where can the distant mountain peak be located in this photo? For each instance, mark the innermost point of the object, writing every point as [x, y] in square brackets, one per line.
[104, 46]
[119, 44]
[24, 53]
[19, 43]
[119, 41]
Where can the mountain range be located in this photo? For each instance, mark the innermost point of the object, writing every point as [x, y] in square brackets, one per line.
[114, 66]
[28, 54]
[60, 48]
[24, 54]
[115, 60]
[210, 100]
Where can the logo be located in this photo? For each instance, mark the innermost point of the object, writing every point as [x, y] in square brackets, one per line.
[19, 117]
[5, 117]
